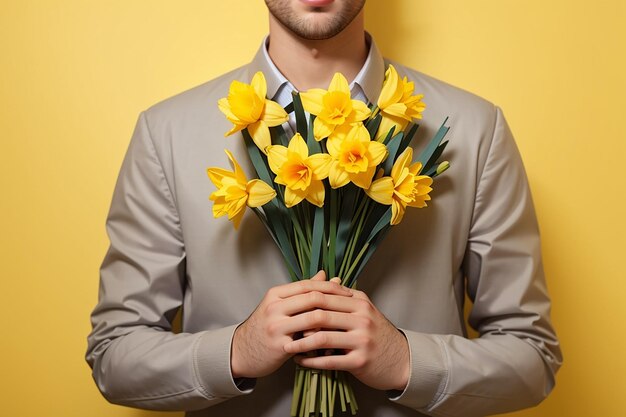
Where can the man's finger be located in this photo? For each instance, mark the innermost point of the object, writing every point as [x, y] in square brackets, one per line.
[317, 319]
[307, 285]
[313, 300]
[347, 362]
[322, 340]
[320, 276]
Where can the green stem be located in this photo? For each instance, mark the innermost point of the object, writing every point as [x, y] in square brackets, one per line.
[356, 262]
[342, 397]
[358, 230]
[300, 257]
[333, 233]
[297, 391]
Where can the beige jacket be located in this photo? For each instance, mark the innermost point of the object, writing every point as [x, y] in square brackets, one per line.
[478, 236]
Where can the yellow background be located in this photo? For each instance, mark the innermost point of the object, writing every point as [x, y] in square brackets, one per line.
[74, 75]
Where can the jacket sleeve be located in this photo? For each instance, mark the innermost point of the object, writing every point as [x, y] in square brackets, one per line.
[135, 357]
[513, 363]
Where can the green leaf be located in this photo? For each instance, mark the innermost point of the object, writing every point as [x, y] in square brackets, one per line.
[372, 125]
[432, 161]
[259, 160]
[280, 136]
[368, 254]
[384, 220]
[430, 149]
[316, 244]
[389, 135]
[301, 126]
[272, 210]
[314, 146]
[393, 148]
[350, 192]
[275, 218]
[408, 137]
[332, 232]
[374, 213]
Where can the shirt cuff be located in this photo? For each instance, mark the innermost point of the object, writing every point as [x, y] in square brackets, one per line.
[428, 372]
[212, 365]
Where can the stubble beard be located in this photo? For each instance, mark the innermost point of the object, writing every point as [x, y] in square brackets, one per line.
[311, 28]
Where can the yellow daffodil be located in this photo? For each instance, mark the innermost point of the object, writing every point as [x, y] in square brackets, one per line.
[234, 192]
[397, 103]
[405, 187]
[247, 107]
[354, 159]
[334, 107]
[300, 173]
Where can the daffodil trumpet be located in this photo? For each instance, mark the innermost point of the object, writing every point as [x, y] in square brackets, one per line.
[329, 193]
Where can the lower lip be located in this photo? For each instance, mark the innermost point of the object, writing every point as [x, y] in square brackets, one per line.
[317, 3]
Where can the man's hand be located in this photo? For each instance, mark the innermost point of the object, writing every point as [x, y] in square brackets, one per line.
[374, 350]
[258, 344]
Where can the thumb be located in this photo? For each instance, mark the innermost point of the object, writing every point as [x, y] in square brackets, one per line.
[320, 276]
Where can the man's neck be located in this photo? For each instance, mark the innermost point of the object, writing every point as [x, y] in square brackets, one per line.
[312, 63]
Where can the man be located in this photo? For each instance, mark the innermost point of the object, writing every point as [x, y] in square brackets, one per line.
[403, 334]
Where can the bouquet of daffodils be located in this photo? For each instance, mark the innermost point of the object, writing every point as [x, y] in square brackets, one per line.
[329, 194]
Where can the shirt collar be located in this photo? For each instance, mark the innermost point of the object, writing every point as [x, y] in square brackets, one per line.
[370, 78]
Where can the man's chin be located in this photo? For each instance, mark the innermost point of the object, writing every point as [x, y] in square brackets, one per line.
[318, 28]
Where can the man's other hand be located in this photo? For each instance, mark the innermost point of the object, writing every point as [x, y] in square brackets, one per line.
[258, 344]
[364, 343]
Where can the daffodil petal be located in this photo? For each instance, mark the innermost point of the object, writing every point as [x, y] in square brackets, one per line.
[340, 132]
[321, 129]
[360, 111]
[420, 201]
[339, 83]
[224, 107]
[403, 161]
[361, 132]
[333, 145]
[240, 176]
[320, 164]
[260, 134]
[259, 84]
[217, 174]
[274, 114]
[298, 146]
[259, 193]
[377, 152]
[363, 179]
[415, 168]
[240, 203]
[312, 100]
[423, 180]
[276, 156]
[337, 176]
[392, 88]
[398, 110]
[244, 103]
[237, 219]
[235, 192]
[293, 197]
[219, 204]
[397, 212]
[402, 196]
[386, 123]
[236, 128]
[381, 190]
[316, 193]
